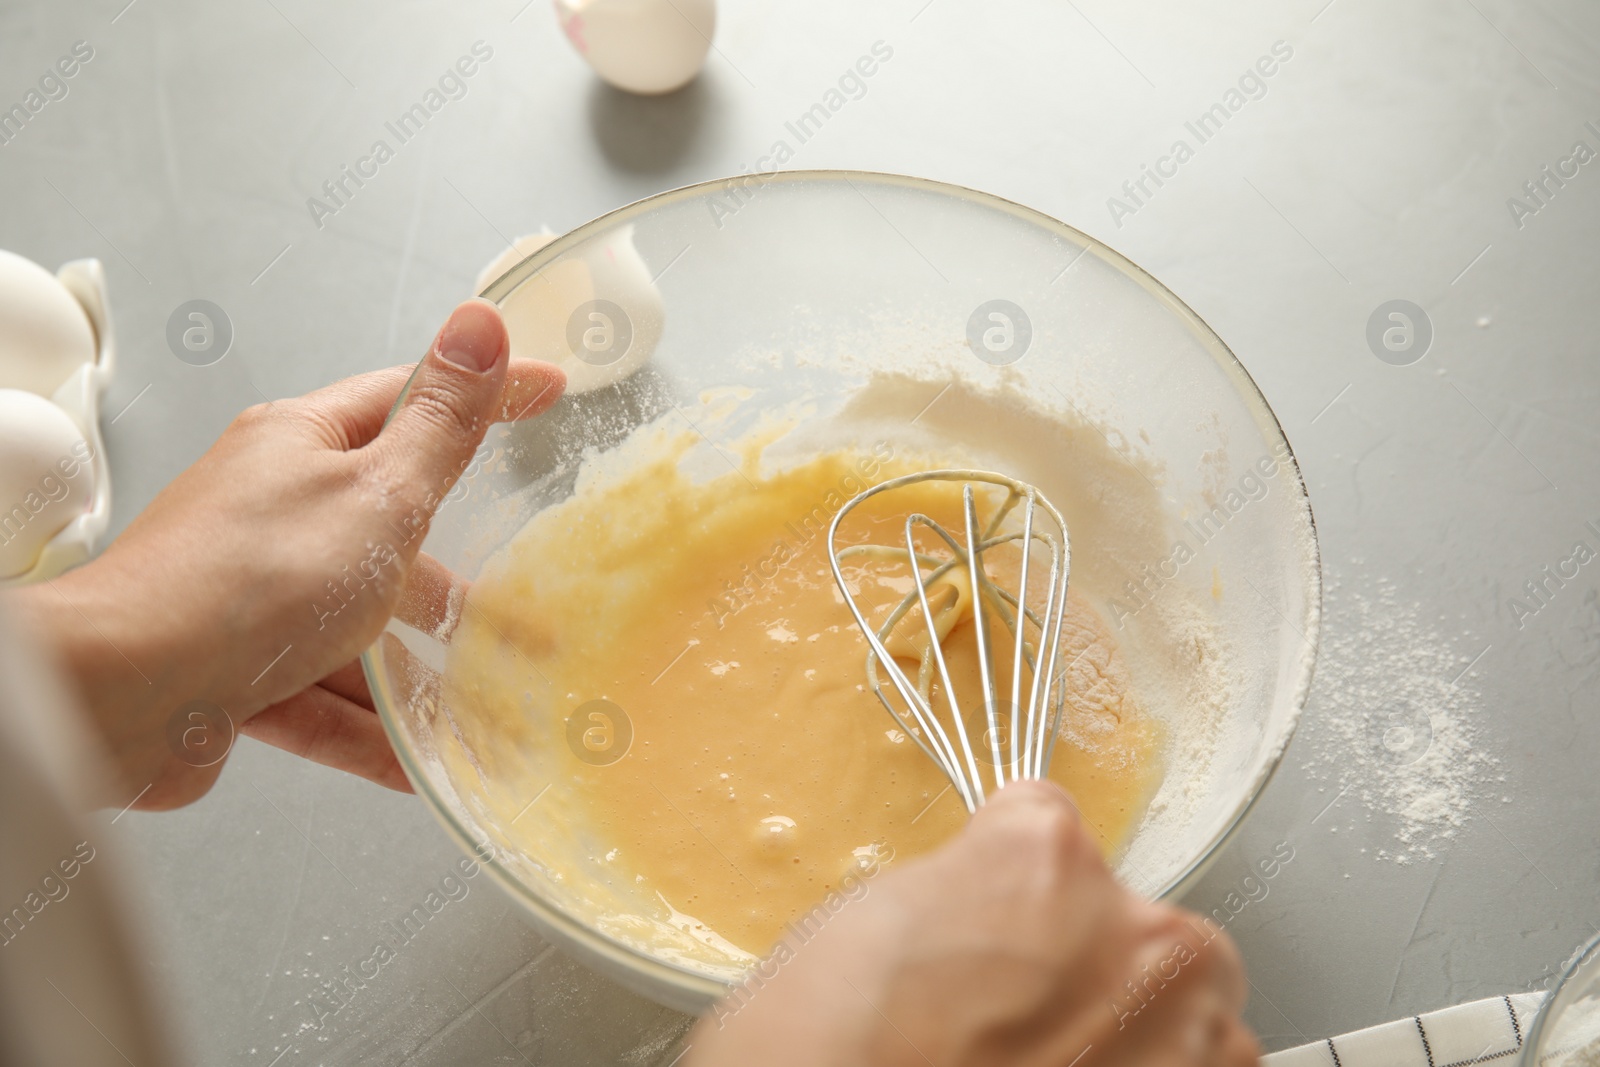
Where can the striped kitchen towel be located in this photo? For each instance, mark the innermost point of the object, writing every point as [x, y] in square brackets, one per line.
[1484, 1031]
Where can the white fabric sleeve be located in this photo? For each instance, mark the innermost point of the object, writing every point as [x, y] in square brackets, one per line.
[72, 986]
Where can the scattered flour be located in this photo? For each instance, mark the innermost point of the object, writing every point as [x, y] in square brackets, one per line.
[654, 1047]
[1392, 724]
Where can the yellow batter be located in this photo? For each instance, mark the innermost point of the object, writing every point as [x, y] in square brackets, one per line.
[760, 767]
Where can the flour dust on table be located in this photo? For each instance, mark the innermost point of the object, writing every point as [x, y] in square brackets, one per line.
[1392, 722]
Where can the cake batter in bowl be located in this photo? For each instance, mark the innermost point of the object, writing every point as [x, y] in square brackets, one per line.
[642, 704]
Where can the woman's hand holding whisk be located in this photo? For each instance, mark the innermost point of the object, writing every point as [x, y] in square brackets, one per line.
[1011, 945]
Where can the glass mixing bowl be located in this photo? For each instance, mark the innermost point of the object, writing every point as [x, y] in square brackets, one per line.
[792, 288]
[1566, 1031]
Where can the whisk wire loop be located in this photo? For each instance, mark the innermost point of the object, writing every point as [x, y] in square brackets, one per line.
[1037, 720]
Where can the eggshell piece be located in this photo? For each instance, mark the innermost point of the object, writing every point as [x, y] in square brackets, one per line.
[596, 313]
[45, 335]
[46, 477]
[520, 249]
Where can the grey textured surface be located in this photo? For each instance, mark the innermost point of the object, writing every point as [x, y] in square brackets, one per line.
[1377, 165]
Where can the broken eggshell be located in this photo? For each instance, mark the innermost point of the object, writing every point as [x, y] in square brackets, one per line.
[597, 315]
[641, 46]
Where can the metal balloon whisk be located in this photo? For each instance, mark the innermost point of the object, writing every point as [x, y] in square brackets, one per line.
[949, 589]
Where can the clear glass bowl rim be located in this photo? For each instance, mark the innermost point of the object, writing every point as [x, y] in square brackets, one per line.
[1587, 955]
[557, 922]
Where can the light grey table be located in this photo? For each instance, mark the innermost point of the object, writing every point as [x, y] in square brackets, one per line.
[1377, 164]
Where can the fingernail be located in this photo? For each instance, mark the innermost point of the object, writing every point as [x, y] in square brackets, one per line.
[473, 338]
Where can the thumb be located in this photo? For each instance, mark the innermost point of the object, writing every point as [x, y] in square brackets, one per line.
[450, 402]
[1025, 799]
[1026, 808]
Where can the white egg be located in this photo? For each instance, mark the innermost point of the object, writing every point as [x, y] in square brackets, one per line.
[641, 46]
[596, 313]
[46, 477]
[45, 334]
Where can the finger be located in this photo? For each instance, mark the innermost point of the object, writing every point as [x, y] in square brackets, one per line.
[325, 728]
[1032, 794]
[352, 412]
[532, 385]
[1025, 807]
[350, 682]
[1037, 806]
[1235, 1046]
[449, 404]
[1227, 964]
[432, 598]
